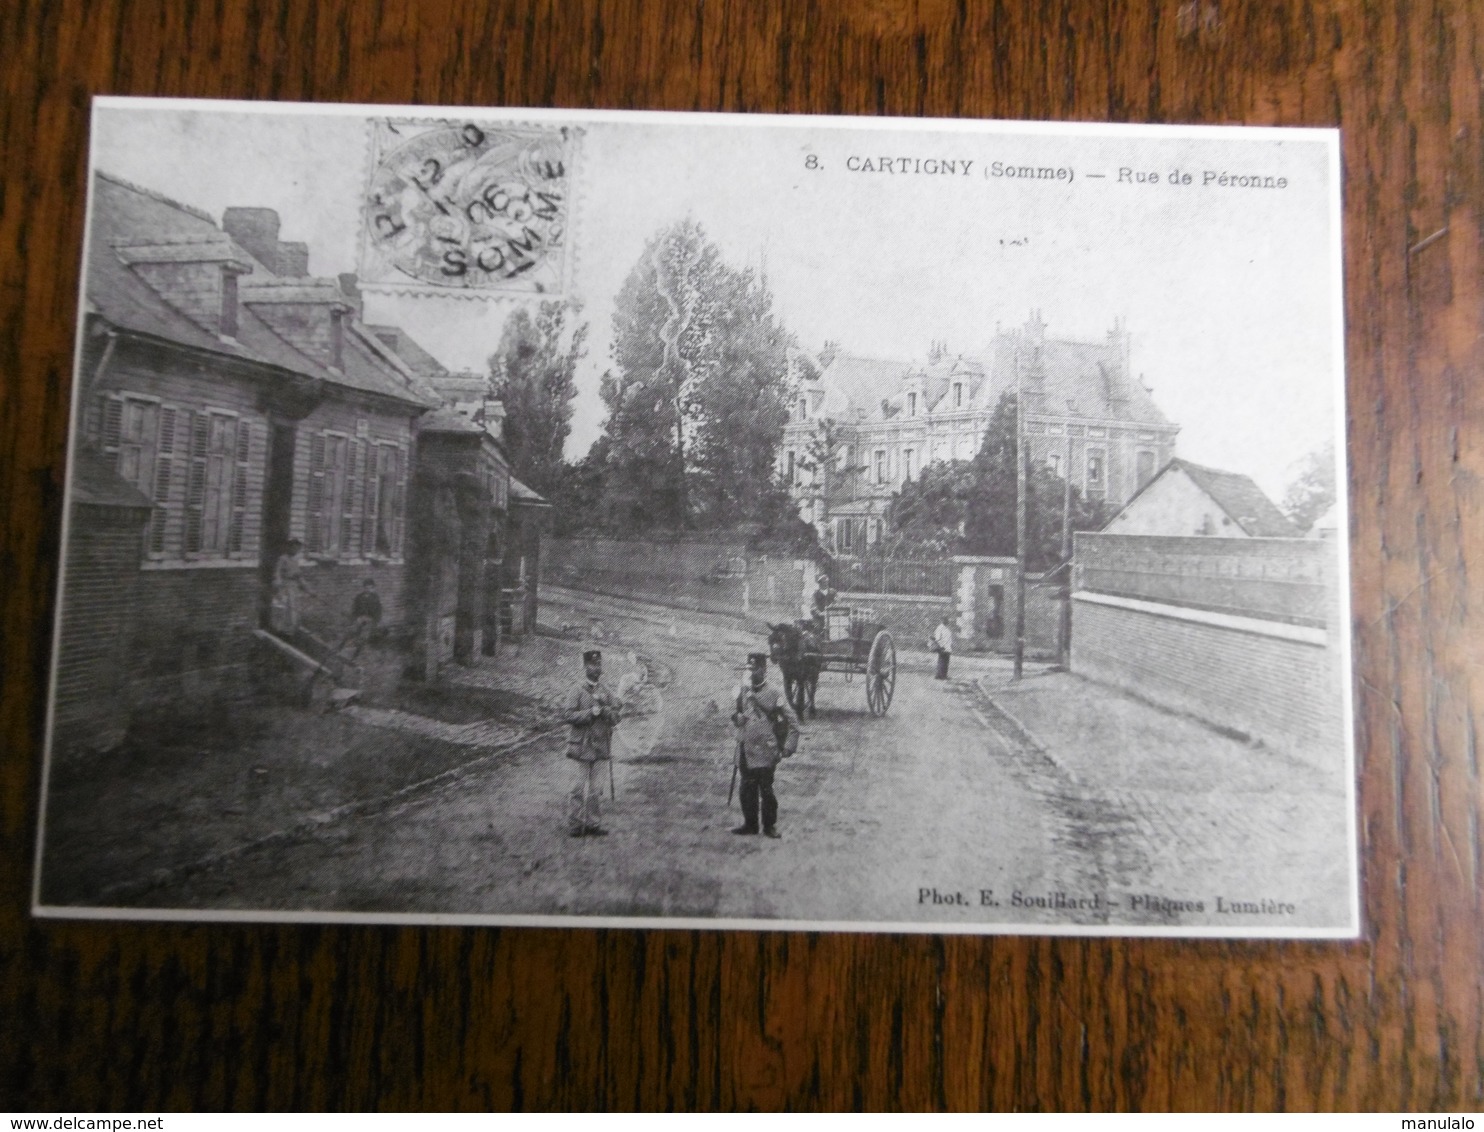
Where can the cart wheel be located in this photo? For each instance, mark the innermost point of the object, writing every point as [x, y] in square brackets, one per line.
[881, 673]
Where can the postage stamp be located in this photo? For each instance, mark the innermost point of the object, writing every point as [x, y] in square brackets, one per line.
[467, 208]
[817, 523]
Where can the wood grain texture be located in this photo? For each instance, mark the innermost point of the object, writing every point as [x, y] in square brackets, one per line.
[127, 1016]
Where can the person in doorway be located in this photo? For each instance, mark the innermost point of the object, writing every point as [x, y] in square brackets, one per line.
[943, 645]
[288, 586]
[365, 617]
[765, 736]
[591, 712]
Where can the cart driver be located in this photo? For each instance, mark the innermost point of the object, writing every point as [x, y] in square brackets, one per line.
[824, 597]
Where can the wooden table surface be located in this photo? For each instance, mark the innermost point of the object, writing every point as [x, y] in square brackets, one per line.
[154, 1016]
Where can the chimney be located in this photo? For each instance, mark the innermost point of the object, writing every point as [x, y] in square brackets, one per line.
[350, 287]
[827, 355]
[256, 229]
[293, 260]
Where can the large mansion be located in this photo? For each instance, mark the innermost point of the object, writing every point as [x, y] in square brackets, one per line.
[862, 427]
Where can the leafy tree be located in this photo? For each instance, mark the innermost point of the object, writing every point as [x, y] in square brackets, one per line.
[532, 372]
[1312, 491]
[698, 396]
[969, 507]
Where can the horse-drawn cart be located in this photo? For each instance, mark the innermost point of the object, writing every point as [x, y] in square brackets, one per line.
[852, 641]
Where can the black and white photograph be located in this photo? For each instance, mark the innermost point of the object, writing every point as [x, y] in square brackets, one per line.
[600, 518]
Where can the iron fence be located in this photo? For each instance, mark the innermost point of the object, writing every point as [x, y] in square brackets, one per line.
[908, 577]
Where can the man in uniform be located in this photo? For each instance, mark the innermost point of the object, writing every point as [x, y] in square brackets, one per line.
[765, 735]
[592, 712]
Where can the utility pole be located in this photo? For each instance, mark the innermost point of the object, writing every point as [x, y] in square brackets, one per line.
[1065, 636]
[1021, 456]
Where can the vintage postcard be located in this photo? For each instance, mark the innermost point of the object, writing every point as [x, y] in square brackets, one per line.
[673, 520]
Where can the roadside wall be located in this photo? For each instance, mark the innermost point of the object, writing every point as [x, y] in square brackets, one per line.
[708, 575]
[1277, 676]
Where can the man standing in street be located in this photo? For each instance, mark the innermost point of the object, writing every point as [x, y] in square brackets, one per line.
[943, 646]
[765, 735]
[591, 712]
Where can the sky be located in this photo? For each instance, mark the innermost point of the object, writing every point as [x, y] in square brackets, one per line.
[1230, 293]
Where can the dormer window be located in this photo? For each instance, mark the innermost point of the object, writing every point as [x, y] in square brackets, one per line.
[337, 339]
[912, 404]
[958, 394]
[803, 409]
[229, 304]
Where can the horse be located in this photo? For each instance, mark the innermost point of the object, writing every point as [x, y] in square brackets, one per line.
[790, 646]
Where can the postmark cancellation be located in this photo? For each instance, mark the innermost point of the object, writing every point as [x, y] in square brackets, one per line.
[463, 208]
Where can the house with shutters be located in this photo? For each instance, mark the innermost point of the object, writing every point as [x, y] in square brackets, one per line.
[226, 402]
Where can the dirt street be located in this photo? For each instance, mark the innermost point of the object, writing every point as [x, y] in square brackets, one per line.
[1050, 802]
[879, 821]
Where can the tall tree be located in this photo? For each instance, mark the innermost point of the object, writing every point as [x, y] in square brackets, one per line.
[969, 507]
[533, 372]
[1311, 492]
[698, 396]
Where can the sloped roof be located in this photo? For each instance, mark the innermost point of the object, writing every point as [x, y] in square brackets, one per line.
[523, 496]
[1076, 379]
[863, 383]
[1241, 499]
[95, 481]
[399, 342]
[132, 217]
[447, 420]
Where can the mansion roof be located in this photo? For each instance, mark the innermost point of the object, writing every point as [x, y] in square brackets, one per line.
[1060, 377]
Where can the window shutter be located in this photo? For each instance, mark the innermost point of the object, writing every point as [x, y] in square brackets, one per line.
[92, 418]
[398, 500]
[239, 488]
[164, 471]
[314, 533]
[199, 425]
[373, 499]
[353, 473]
[113, 423]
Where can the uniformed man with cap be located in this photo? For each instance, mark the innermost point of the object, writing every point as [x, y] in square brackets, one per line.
[592, 712]
[765, 735]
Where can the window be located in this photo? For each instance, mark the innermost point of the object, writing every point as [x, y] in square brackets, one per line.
[355, 497]
[843, 533]
[1144, 467]
[958, 394]
[390, 484]
[880, 465]
[192, 464]
[791, 472]
[1094, 469]
[907, 462]
[803, 409]
[1054, 463]
[912, 404]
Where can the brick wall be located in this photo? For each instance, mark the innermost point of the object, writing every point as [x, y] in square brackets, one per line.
[1275, 682]
[102, 574]
[192, 632]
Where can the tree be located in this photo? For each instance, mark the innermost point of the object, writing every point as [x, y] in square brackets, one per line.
[969, 507]
[1312, 490]
[532, 372]
[699, 393]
